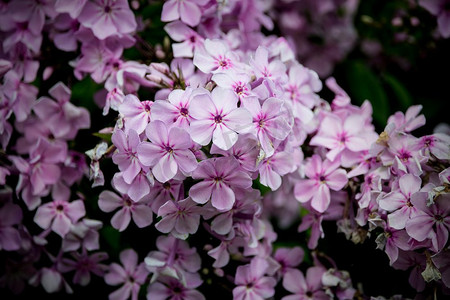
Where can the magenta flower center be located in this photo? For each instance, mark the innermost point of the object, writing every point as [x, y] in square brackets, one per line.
[218, 179]
[343, 137]
[107, 9]
[404, 155]
[59, 208]
[428, 142]
[169, 149]
[127, 202]
[261, 122]
[184, 111]
[218, 119]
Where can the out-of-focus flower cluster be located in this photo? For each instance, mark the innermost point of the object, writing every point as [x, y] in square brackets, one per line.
[233, 137]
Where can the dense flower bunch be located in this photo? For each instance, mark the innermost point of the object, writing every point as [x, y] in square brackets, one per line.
[210, 145]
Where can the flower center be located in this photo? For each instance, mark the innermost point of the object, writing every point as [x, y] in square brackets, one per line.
[218, 119]
[107, 9]
[169, 149]
[439, 218]
[166, 185]
[404, 155]
[59, 208]
[218, 179]
[127, 202]
[428, 142]
[184, 111]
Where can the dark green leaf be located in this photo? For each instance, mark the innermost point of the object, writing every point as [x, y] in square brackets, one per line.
[399, 90]
[365, 84]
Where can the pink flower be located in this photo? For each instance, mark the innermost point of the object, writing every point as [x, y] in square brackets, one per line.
[310, 288]
[245, 150]
[301, 88]
[83, 265]
[436, 145]
[216, 57]
[433, 221]
[219, 176]
[323, 176]
[172, 189]
[251, 282]
[62, 117]
[289, 258]
[10, 214]
[189, 39]
[398, 202]
[269, 122]
[59, 215]
[173, 257]
[140, 212]
[136, 114]
[43, 164]
[392, 240]
[274, 70]
[337, 135]
[272, 168]
[181, 218]
[138, 188]
[108, 17]
[188, 11]
[167, 152]
[217, 116]
[126, 154]
[130, 274]
[170, 288]
[176, 109]
[409, 121]
[238, 82]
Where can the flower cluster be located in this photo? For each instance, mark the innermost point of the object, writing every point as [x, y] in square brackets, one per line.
[217, 142]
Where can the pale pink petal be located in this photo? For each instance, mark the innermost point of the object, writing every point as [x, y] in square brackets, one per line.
[294, 281]
[142, 215]
[222, 197]
[190, 13]
[409, 184]
[165, 169]
[201, 192]
[121, 219]
[170, 11]
[420, 227]
[223, 137]
[321, 199]
[156, 132]
[61, 224]
[337, 179]
[305, 189]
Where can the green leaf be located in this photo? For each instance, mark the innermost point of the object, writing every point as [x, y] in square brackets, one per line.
[104, 136]
[401, 93]
[112, 237]
[262, 188]
[364, 84]
[83, 93]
